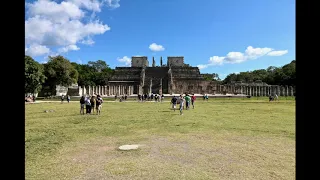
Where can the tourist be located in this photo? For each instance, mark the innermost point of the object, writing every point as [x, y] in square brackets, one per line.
[99, 102]
[155, 98]
[145, 97]
[271, 98]
[88, 105]
[276, 97]
[174, 103]
[125, 97]
[204, 97]
[207, 97]
[82, 103]
[68, 98]
[162, 97]
[193, 98]
[62, 98]
[92, 102]
[181, 99]
[188, 100]
[115, 97]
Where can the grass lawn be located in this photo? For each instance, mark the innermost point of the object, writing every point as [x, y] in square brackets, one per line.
[219, 139]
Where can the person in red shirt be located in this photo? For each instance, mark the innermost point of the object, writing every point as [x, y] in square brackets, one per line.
[193, 98]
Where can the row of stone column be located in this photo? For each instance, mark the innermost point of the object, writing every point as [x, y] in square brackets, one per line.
[106, 90]
[257, 90]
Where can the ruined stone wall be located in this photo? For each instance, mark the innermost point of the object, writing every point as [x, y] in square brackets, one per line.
[140, 61]
[176, 61]
[126, 74]
[256, 90]
[194, 86]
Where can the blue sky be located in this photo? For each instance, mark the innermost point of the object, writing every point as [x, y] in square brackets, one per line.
[221, 37]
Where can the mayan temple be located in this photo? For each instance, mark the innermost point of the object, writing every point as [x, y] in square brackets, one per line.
[175, 77]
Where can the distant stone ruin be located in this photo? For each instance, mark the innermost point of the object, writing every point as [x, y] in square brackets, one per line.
[175, 77]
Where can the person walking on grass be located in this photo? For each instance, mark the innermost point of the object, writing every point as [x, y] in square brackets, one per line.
[193, 99]
[188, 101]
[62, 98]
[92, 102]
[68, 98]
[181, 104]
[174, 103]
[88, 105]
[99, 102]
[82, 104]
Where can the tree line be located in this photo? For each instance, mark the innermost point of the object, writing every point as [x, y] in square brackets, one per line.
[60, 71]
[285, 75]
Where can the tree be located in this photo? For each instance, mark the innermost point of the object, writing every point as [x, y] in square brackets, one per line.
[211, 77]
[59, 71]
[98, 65]
[93, 73]
[34, 76]
[153, 62]
[86, 74]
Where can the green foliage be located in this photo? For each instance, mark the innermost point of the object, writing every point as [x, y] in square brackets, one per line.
[59, 71]
[34, 76]
[211, 77]
[93, 73]
[285, 75]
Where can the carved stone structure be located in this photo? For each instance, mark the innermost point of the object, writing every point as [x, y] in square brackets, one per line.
[173, 78]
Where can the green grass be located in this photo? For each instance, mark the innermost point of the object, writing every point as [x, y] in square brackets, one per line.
[219, 139]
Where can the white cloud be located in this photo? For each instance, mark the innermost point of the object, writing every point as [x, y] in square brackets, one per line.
[88, 41]
[36, 50]
[126, 60]
[202, 66]
[250, 53]
[92, 5]
[112, 3]
[254, 53]
[156, 47]
[277, 53]
[53, 24]
[216, 60]
[69, 48]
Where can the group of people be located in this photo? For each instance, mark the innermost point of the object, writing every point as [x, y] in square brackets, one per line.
[62, 98]
[156, 97]
[273, 98]
[183, 101]
[91, 103]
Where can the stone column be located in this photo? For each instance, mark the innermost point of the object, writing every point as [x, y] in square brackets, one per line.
[160, 90]
[89, 90]
[150, 88]
[291, 91]
[83, 91]
[287, 91]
